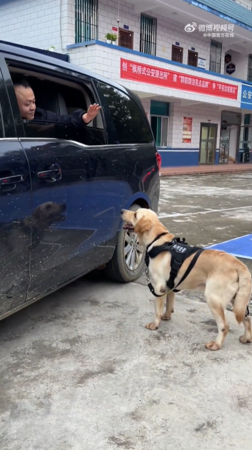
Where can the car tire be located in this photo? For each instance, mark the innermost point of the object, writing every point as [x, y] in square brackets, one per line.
[128, 260]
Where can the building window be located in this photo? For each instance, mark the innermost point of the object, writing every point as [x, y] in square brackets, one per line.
[86, 20]
[159, 122]
[250, 68]
[177, 54]
[215, 56]
[125, 38]
[192, 58]
[148, 34]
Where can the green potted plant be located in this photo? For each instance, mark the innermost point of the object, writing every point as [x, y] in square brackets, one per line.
[108, 37]
[111, 38]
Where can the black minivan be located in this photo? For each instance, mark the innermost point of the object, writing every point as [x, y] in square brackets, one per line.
[62, 189]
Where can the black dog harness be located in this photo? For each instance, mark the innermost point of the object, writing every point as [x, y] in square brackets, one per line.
[180, 251]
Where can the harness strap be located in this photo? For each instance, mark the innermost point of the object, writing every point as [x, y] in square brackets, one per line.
[147, 257]
[247, 313]
[156, 239]
[188, 270]
[153, 291]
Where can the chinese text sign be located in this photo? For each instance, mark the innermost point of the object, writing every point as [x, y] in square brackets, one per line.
[131, 70]
[246, 96]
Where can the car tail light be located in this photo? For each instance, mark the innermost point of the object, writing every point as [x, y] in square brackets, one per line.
[159, 160]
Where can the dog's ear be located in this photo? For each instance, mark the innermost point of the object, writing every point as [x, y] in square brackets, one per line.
[143, 225]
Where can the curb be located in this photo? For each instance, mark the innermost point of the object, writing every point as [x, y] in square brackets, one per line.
[203, 172]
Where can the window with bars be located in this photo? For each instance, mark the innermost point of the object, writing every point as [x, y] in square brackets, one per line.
[86, 20]
[215, 56]
[250, 68]
[148, 34]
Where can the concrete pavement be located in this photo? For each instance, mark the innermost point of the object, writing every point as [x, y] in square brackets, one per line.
[80, 372]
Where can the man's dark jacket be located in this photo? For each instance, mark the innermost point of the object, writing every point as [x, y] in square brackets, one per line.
[41, 115]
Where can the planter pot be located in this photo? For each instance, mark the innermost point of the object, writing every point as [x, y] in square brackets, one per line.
[113, 42]
[108, 41]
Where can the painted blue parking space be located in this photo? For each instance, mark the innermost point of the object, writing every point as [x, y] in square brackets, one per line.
[240, 247]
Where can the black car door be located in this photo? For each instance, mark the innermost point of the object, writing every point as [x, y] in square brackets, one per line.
[76, 194]
[15, 212]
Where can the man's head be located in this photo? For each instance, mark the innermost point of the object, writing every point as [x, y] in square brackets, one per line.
[26, 99]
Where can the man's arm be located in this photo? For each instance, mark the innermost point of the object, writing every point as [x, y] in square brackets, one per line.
[78, 118]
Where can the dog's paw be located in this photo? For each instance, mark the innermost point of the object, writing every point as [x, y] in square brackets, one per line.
[244, 340]
[151, 326]
[166, 317]
[212, 345]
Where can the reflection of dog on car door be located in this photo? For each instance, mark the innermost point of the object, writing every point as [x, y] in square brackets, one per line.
[223, 278]
[16, 236]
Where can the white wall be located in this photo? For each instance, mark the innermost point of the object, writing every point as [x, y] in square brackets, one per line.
[200, 114]
[168, 32]
[241, 63]
[34, 23]
[46, 23]
[106, 62]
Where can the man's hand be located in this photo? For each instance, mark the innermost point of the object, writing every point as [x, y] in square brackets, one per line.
[91, 113]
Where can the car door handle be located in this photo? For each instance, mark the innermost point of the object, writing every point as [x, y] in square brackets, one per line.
[11, 180]
[9, 183]
[52, 174]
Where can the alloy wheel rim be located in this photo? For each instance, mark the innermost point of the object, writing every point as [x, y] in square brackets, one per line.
[133, 251]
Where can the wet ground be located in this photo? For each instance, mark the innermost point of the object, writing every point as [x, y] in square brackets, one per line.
[207, 209]
[79, 371]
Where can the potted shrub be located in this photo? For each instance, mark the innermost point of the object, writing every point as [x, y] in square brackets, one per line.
[111, 38]
[108, 37]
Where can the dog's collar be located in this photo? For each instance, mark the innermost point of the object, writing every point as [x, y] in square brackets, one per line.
[156, 239]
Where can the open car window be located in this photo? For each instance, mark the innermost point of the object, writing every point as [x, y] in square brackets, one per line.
[62, 97]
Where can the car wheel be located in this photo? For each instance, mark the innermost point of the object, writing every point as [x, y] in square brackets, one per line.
[128, 260]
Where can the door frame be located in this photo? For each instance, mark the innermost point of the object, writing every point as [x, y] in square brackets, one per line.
[208, 125]
[181, 52]
[188, 53]
[131, 33]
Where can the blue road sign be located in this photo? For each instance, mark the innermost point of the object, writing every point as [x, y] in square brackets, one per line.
[240, 247]
[246, 96]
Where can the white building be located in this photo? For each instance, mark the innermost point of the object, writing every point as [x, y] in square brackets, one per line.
[191, 67]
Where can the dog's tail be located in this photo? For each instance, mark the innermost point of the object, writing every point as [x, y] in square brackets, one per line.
[243, 294]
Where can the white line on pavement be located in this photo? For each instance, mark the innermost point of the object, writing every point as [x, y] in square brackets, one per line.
[163, 216]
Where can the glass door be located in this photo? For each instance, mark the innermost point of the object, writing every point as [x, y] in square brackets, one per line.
[208, 134]
[224, 145]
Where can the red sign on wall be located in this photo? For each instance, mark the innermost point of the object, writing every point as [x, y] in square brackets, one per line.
[187, 130]
[134, 71]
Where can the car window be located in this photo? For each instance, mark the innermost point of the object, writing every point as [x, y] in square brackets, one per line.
[128, 121]
[61, 97]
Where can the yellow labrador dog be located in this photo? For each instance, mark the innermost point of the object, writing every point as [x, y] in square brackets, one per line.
[223, 278]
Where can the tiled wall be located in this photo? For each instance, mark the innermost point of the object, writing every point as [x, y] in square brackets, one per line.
[200, 114]
[168, 32]
[46, 23]
[34, 23]
[100, 59]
